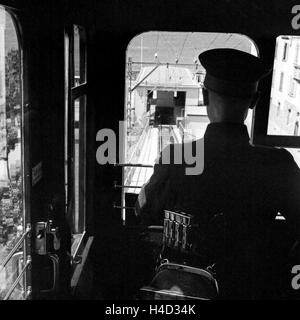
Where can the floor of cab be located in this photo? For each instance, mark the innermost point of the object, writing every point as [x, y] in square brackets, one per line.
[121, 264]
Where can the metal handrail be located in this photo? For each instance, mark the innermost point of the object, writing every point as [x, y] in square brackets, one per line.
[15, 248]
[12, 288]
[133, 165]
[174, 135]
[141, 138]
[137, 147]
[123, 207]
[184, 132]
[126, 186]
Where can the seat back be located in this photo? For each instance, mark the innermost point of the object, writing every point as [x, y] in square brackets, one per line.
[180, 282]
[181, 274]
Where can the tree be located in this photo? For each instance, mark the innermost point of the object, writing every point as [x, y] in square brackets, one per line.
[11, 138]
[13, 98]
[13, 95]
[12, 81]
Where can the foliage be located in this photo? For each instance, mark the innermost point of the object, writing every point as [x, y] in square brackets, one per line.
[12, 80]
[12, 138]
[13, 95]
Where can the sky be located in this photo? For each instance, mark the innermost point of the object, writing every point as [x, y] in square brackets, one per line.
[11, 40]
[182, 46]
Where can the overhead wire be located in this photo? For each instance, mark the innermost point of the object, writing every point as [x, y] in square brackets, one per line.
[213, 40]
[177, 60]
[228, 39]
[238, 44]
[155, 52]
[169, 43]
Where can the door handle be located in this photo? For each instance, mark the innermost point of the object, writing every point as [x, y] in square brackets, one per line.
[16, 261]
[55, 264]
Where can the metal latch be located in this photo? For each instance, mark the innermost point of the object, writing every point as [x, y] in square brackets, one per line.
[47, 238]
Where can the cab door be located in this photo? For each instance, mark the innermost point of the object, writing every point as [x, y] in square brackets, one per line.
[60, 244]
[43, 65]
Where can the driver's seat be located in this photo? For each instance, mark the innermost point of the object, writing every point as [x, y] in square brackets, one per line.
[181, 274]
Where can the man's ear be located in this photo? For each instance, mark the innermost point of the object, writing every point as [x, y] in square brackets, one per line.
[205, 96]
[254, 100]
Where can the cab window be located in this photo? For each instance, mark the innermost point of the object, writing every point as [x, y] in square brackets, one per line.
[164, 102]
[284, 114]
[14, 240]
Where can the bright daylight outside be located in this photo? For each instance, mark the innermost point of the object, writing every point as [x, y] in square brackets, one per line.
[164, 94]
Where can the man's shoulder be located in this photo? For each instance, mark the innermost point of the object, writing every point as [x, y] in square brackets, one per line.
[186, 145]
[273, 155]
[176, 151]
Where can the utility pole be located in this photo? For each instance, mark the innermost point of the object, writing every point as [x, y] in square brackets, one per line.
[129, 100]
[141, 49]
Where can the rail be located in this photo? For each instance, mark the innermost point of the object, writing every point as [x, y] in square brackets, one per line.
[171, 133]
[126, 180]
[141, 141]
[184, 132]
[142, 138]
[12, 288]
[174, 135]
[123, 207]
[15, 248]
[119, 186]
[133, 165]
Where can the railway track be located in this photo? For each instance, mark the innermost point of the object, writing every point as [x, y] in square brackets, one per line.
[166, 136]
[156, 140]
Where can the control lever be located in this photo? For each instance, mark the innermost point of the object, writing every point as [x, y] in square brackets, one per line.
[41, 238]
[46, 238]
[54, 231]
[56, 241]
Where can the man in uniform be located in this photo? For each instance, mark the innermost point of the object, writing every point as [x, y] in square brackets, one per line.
[248, 185]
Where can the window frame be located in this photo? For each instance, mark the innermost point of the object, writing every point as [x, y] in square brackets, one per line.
[21, 258]
[262, 112]
[72, 93]
[124, 204]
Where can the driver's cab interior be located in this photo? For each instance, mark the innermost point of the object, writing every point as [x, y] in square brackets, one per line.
[79, 76]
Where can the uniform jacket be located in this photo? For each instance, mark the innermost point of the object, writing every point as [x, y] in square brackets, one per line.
[247, 184]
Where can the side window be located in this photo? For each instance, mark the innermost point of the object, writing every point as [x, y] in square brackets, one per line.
[14, 234]
[75, 131]
[164, 102]
[285, 103]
